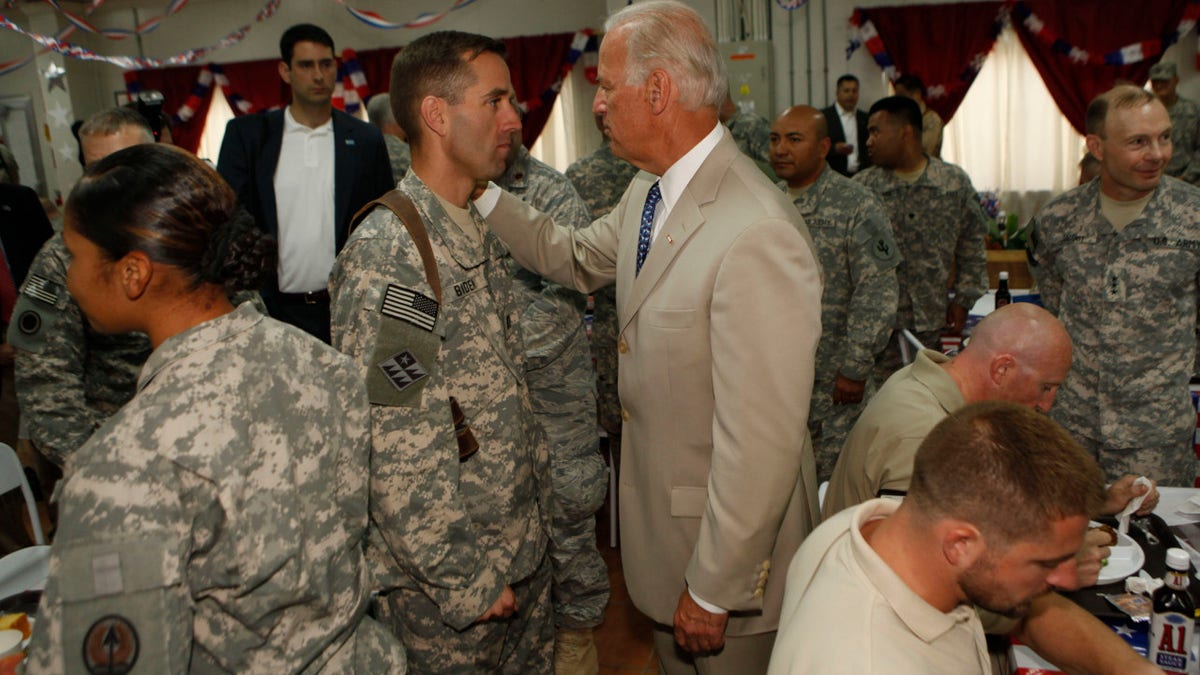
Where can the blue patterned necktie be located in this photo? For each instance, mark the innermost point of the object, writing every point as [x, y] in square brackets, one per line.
[652, 199]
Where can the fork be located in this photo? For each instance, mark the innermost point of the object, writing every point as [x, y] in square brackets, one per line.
[1151, 538]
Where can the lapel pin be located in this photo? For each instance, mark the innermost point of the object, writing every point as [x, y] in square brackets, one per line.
[670, 240]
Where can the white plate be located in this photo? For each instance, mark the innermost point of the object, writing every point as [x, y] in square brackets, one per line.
[1126, 558]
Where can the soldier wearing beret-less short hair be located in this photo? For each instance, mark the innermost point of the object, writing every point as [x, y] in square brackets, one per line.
[216, 522]
[1117, 260]
[1185, 123]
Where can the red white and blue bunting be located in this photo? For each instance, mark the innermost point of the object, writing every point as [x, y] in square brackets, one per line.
[424, 19]
[1131, 53]
[133, 62]
[583, 44]
[144, 27]
[209, 74]
[791, 5]
[864, 34]
[351, 89]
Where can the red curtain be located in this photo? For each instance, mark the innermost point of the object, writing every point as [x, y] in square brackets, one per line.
[1100, 27]
[177, 85]
[939, 44]
[535, 62]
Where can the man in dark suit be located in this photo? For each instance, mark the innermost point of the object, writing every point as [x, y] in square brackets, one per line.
[719, 313]
[303, 172]
[847, 129]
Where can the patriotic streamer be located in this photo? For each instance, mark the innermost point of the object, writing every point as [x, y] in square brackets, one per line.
[1131, 53]
[146, 26]
[374, 20]
[584, 42]
[16, 64]
[351, 89]
[209, 74]
[864, 34]
[791, 5]
[136, 62]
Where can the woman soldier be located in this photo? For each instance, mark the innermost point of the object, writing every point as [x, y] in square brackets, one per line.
[216, 522]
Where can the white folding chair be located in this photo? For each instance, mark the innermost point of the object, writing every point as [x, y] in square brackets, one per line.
[25, 569]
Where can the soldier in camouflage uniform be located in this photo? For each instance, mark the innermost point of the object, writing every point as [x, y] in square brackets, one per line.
[1117, 260]
[938, 224]
[562, 392]
[601, 179]
[858, 260]
[215, 523]
[460, 539]
[1185, 123]
[69, 378]
[750, 131]
[379, 112]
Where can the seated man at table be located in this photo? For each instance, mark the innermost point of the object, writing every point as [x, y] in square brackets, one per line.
[1019, 353]
[999, 503]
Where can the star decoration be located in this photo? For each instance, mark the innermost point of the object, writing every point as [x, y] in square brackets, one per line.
[56, 76]
[58, 115]
[1123, 631]
[65, 151]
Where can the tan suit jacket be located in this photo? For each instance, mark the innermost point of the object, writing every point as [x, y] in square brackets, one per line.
[717, 343]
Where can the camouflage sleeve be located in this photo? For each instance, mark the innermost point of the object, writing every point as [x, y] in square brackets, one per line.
[872, 311]
[970, 254]
[1042, 265]
[415, 503]
[1191, 172]
[117, 591]
[48, 332]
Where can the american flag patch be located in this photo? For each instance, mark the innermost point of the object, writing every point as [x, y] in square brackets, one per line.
[403, 370]
[408, 305]
[38, 286]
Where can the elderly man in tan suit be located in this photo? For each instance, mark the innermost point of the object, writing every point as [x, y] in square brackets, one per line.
[719, 304]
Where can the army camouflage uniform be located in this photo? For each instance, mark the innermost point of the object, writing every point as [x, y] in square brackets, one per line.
[70, 378]
[1129, 301]
[215, 523]
[858, 257]
[601, 178]
[939, 227]
[753, 136]
[1185, 141]
[399, 154]
[448, 533]
[562, 391]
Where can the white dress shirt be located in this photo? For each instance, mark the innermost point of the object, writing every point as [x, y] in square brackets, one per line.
[304, 206]
[850, 130]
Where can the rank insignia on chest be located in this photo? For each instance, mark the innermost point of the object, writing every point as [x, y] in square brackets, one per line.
[408, 305]
[403, 370]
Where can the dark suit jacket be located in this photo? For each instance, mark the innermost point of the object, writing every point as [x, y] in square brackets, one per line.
[25, 227]
[838, 135]
[250, 151]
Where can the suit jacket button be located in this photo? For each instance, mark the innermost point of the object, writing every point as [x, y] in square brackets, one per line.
[622, 347]
[624, 414]
[766, 565]
[758, 592]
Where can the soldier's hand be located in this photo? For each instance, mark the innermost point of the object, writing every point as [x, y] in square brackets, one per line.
[696, 629]
[1124, 490]
[843, 148]
[504, 606]
[1090, 559]
[846, 390]
[956, 318]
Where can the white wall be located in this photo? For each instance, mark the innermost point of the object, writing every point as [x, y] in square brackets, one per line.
[809, 43]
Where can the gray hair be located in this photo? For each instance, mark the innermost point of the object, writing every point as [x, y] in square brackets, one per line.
[669, 35]
[379, 110]
[109, 122]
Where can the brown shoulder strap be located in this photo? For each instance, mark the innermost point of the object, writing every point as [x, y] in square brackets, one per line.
[399, 203]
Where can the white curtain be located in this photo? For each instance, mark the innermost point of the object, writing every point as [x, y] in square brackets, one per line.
[1009, 135]
[570, 132]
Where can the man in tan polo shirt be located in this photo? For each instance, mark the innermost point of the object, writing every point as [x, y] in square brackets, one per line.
[895, 588]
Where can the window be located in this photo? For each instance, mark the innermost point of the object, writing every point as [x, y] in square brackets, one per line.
[1009, 135]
